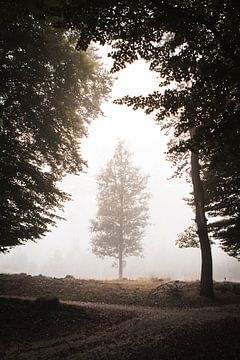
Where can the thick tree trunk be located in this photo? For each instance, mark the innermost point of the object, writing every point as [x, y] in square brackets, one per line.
[206, 284]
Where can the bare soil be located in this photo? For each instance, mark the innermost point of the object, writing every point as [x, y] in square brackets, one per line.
[116, 320]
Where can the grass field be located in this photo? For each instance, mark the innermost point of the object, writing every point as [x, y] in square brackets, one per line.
[115, 320]
[145, 292]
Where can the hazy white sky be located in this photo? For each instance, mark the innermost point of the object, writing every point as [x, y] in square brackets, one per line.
[66, 250]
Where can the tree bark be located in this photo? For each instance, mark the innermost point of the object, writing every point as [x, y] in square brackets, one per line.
[206, 283]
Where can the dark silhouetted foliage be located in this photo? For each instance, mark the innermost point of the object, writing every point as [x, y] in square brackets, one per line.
[48, 94]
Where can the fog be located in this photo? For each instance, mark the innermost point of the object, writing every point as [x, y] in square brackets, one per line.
[66, 250]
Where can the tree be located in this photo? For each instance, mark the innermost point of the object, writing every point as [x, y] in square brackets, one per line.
[221, 181]
[194, 43]
[222, 186]
[49, 92]
[122, 208]
[188, 238]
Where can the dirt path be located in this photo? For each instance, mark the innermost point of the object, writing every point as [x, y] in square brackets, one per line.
[144, 333]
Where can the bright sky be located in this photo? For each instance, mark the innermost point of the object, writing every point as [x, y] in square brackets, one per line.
[66, 250]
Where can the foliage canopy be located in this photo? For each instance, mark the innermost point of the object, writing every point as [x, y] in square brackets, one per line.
[48, 94]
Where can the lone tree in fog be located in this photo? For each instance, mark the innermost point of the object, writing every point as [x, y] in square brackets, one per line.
[122, 209]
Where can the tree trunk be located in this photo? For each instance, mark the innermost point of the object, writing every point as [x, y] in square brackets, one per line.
[120, 258]
[206, 284]
[120, 265]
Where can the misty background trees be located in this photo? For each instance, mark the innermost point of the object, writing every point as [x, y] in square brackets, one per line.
[49, 92]
[122, 214]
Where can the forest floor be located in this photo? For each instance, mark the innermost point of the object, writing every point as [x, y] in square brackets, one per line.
[141, 319]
